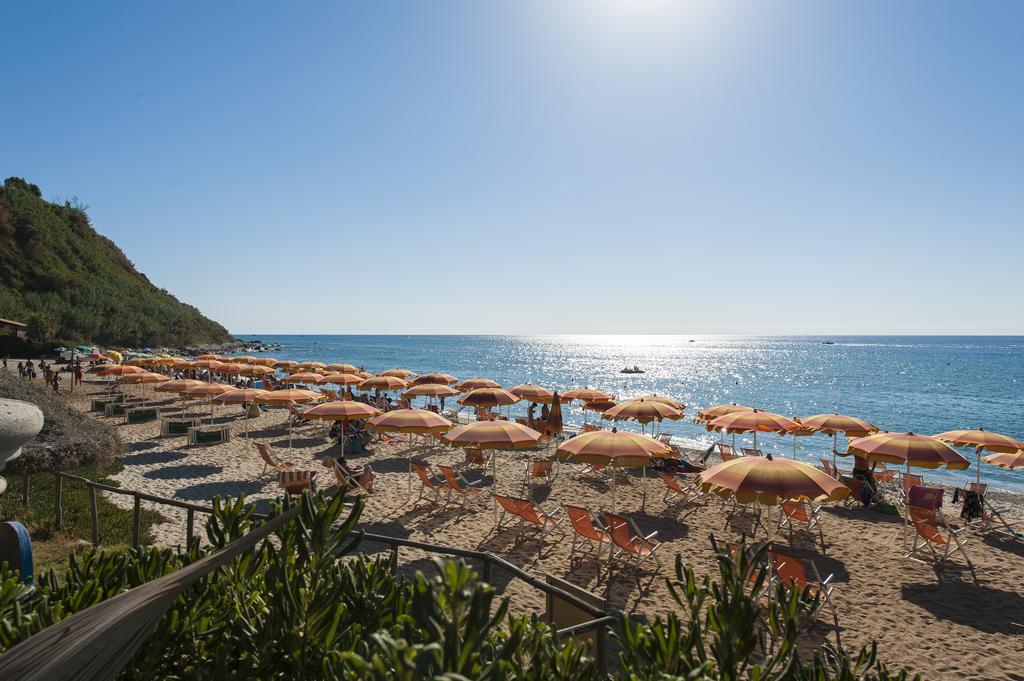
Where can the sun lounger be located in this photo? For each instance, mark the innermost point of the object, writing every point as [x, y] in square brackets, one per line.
[925, 497]
[751, 451]
[760, 579]
[630, 540]
[932, 534]
[295, 481]
[429, 488]
[586, 530]
[908, 480]
[475, 459]
[790, 570]
[269, 460]
[802, 513]
[465, 490]
[589, 428]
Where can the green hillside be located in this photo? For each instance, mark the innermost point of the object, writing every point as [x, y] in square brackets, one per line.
[70, 283]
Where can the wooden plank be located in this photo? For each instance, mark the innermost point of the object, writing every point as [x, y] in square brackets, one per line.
[137, 521]
[59, 508]
[95, 516]
[190, 522]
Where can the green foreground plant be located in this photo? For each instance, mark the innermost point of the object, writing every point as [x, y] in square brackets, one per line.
[303, 605]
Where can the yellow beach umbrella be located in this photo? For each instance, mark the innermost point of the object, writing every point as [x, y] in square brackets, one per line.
[982, 440]
[114, 355]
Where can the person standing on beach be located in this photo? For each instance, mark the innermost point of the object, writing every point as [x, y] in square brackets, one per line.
[862, 471]
[55, 382]
[77, 374]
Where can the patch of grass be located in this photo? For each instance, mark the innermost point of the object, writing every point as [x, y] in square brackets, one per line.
[40, 518]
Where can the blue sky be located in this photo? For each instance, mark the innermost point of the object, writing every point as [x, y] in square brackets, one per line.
[624, 166]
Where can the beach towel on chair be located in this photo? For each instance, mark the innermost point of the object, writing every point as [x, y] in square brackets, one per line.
[974, 505]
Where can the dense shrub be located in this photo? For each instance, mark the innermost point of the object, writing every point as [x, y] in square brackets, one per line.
[69, 282]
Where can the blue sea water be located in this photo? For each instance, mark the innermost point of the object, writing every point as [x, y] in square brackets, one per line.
[925, 384]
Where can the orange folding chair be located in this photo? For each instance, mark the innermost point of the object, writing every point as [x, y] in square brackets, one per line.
[674, 489]
[804, 514]
[296, 481]
[586, 531]
[630, 540]
[790, 570]
[726, 452]
[269, 460]
[539, 469]
[346, 481]
[429, 488]
[932, 534]
[465, 490]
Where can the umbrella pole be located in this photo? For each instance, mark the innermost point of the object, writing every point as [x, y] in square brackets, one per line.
[409, 490]
[977, 453]
[794, 446]
[494, 485]
[614, 485]
[835, 448]
[643, 504]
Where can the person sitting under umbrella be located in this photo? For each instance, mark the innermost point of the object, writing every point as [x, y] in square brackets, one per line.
[865, 472]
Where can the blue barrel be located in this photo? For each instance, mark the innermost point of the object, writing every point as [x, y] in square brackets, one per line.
[16, 549]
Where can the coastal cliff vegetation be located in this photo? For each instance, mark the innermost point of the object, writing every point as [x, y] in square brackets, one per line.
[68, 282]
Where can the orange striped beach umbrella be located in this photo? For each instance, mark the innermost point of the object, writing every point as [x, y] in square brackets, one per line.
[503, 435]
[430, 390]
[240, 396]
[344, 411]
[140, 362]
[833, 424]
[341, 379]
[142, 377]
[532, 393]
[586, 395]
[230, 368]
[754, 421]
[675, 404]
[296, 395]
[264, 361]
[342, 368]
[209, 390]
[620, 449]
[474, 383]
[642, 411]
[284, 364]
[241, 359]
[304, 377]
[1003, 460]
[487, 398]
[310, 365]
[434, 378]
[119, 370]
[908, 449]
[398, 373]
[179, 385]
[982, 440]
[712, 413]
[383, 383]
[411, 422]
[254, 370]
[208, 357]
[768, 481]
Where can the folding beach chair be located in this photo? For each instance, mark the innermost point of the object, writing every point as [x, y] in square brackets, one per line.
[675, 489]
[991, 518]
[751, 451]
[346, 481]
[586, 530]
[475, 459]
[920, 496]
[908, 480]
[665, 439]
[760, 579]
[429, 488]
[802, 513]
[790, 570]
[296, 481]
[509, 507]
[534, 515]
[932, 533]
[539, 469]
[630, 540]
[726, 452]
[465, 490]
[270, 461]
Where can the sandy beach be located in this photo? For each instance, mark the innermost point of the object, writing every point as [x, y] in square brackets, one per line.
[936, 621]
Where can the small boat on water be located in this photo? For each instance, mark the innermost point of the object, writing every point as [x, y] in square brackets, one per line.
[828, 342]
[634, 370]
